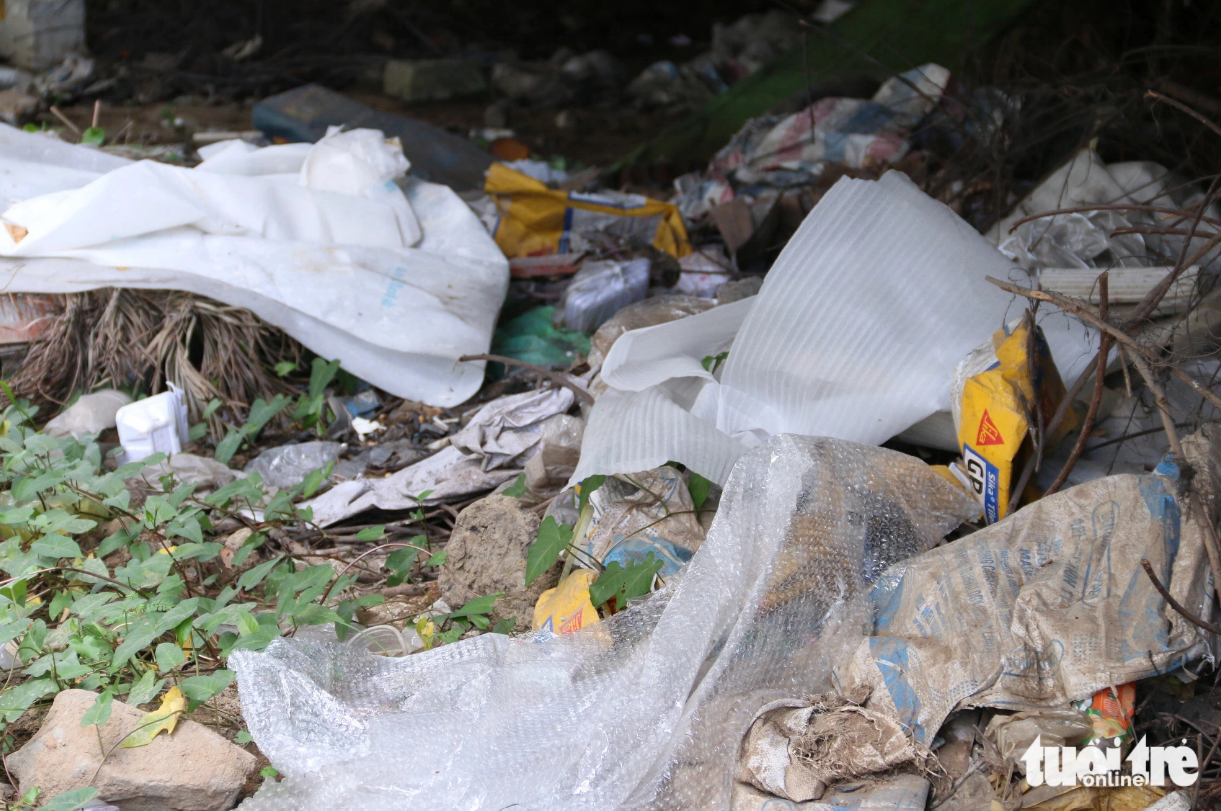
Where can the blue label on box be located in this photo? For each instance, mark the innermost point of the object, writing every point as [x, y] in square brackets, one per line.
[985, 482]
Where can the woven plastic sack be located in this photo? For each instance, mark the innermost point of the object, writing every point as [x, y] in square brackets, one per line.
[645, 710]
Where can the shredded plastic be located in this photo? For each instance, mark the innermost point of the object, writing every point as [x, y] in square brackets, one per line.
[645, 710]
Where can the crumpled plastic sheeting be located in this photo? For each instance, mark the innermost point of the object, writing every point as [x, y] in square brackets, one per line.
[490, 450]
[1086, 239]
[399, 317]
[506, 428]
[447, 475]
[644, 710]
[855, 334]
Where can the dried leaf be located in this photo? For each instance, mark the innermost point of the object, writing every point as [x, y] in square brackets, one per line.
[163, 719]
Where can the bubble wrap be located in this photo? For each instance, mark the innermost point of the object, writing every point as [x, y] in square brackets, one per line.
[645, 710]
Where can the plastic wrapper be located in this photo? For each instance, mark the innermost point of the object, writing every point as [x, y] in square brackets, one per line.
[505, 429]
[288, 465]
[567, 607]
[1086, 239]
[447, 475]
[90, 414]
[633, 514]
[202, 471]
[601, 289]
[1110, 712]
[489, 451]
[559, 449]
[644, 710]
[704, 272]
[1013, 734]
[793, 150]
[537, 220]
[999, 389]
[647, 313]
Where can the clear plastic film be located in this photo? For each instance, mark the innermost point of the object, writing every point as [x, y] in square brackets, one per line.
[644, 710]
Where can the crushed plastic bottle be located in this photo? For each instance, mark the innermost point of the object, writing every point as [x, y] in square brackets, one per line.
[288, 465]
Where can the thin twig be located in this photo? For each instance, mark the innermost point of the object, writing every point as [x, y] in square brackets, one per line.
[1173, 603]
[1089, 209]
[555, 377]
[327, 593]
[55, 111]
[1133, 435]
[1153, 94]
[1087, 314]
[1163, 405]
[1104, 344]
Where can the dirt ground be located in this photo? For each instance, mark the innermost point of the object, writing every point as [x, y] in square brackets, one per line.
[592, 136]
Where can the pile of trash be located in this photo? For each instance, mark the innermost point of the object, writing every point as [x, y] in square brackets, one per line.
[868, 606]
[792, 490]
[737, 50]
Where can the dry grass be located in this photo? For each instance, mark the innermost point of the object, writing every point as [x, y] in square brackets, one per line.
[148, 338]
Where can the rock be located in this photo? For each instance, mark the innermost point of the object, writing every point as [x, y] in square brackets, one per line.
[193, 769]
[739, 289]
[38, 34]
[487, 553]
[498, 115]
[432, 79]
[16, 107]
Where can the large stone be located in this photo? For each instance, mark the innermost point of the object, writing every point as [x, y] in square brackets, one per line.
[487, 553]
[432, 79]
[16, 107]
[193, 769]
[38, 34]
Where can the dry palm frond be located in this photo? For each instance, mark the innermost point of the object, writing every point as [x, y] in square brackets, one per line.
[147, 338]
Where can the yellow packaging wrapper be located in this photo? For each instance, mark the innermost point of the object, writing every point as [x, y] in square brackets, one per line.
[537, 221]
[996, 409]
[567, 608]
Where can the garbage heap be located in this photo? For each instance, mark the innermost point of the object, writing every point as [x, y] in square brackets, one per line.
[793, 488]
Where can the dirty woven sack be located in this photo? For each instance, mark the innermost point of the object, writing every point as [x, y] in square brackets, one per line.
[644, 710]
[1046, 607]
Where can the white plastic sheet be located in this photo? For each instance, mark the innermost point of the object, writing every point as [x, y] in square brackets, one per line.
[855, 335]
[332, 269]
